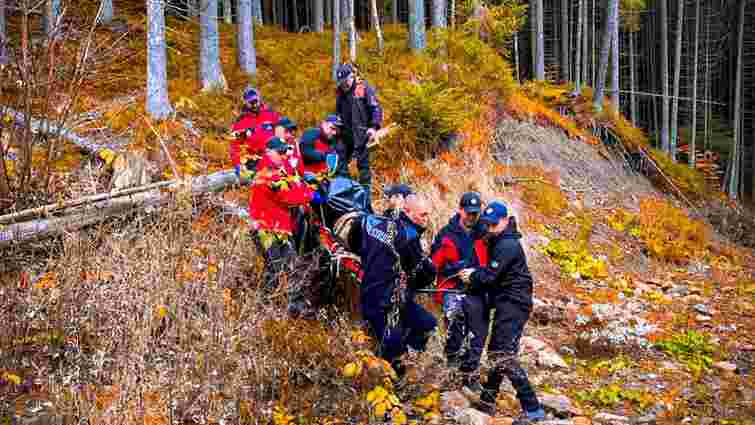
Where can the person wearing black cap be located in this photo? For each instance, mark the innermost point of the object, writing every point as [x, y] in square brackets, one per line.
[507, 281]
[456, 247]
[362, 115]
[396, 194]
[286, 129]
[317, 143]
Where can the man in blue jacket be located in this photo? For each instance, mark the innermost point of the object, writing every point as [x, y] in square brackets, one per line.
[394, 265]
[508, 284]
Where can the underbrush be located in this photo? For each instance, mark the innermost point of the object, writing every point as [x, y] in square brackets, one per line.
[161, 319]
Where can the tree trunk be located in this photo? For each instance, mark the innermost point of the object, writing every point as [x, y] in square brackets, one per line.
[585, 44]
[417, 25]
[452, 12]
[3, 55]
[210, 70]
[106, 13]
[51, 17]
[612, 14]
[336, 36]
[319, 16]
[516, 56]
[536, 28]
[295, 15]
[96, 212]
[578, 42]
[439, 14]
[158, 106]
[394, 11]
[227, 12]
[693, 130]
[632, 85]
[665, 144]
[247, 54]
[565, 51]
[257, 11]
[352, 32]
[677, 76]
[615, 69]
[736, 153]
[378, 30]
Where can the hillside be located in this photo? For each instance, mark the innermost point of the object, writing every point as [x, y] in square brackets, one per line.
[643, 310]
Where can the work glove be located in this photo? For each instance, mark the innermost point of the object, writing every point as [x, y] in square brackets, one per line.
[319, 199]
[371, 133]
[238, 171]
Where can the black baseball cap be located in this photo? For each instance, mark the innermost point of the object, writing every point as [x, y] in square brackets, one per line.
[471, 202]
[277, 144]
[398, 189]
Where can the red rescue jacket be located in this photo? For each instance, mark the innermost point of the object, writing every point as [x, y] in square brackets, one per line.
[254, 130]
[274, 191]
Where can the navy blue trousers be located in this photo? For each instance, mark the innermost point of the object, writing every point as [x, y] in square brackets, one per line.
[414, 330]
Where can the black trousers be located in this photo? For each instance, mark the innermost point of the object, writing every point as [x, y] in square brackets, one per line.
[477, 319]
[508, 326]
[357, 146]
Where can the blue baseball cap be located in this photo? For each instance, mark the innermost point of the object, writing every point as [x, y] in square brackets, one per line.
[251, 95]
[494, 213]
[344, 71]
[334, 119]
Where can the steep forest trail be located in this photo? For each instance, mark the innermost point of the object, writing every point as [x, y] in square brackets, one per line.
[642, 312]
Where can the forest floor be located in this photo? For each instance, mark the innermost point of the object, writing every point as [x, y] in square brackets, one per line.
[642, 314]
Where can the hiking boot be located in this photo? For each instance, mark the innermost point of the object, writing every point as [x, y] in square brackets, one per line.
[471, 383]
[531, 417]
[453, 361]
[485, 407]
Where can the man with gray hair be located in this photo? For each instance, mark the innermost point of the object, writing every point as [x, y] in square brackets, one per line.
[394, 265]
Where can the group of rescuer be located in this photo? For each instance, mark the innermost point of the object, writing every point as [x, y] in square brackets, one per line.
[476, 259]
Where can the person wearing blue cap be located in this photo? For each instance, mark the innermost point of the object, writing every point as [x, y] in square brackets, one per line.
[507, 282]
[317, 143]
[362, 115]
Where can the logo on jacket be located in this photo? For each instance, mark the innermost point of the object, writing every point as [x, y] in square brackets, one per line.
[374, 232]
[494, 264]
[267, 126]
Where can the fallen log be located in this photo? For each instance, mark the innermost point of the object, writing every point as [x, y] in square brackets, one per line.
[46, 127]
[50, 208]
[89, 213]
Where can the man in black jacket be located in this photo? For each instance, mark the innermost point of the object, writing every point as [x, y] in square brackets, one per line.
[362, 115]
[394, 265]
[508, 283]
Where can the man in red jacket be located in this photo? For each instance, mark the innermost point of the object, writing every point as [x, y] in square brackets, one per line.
[273, 193]
[458, 246]
[254, 127]
[316, 143]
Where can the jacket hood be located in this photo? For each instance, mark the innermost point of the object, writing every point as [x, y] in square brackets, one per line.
[510, 232]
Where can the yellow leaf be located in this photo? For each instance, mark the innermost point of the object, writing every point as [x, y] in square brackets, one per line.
[162, 311]
[106, 155]
[13, 379]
